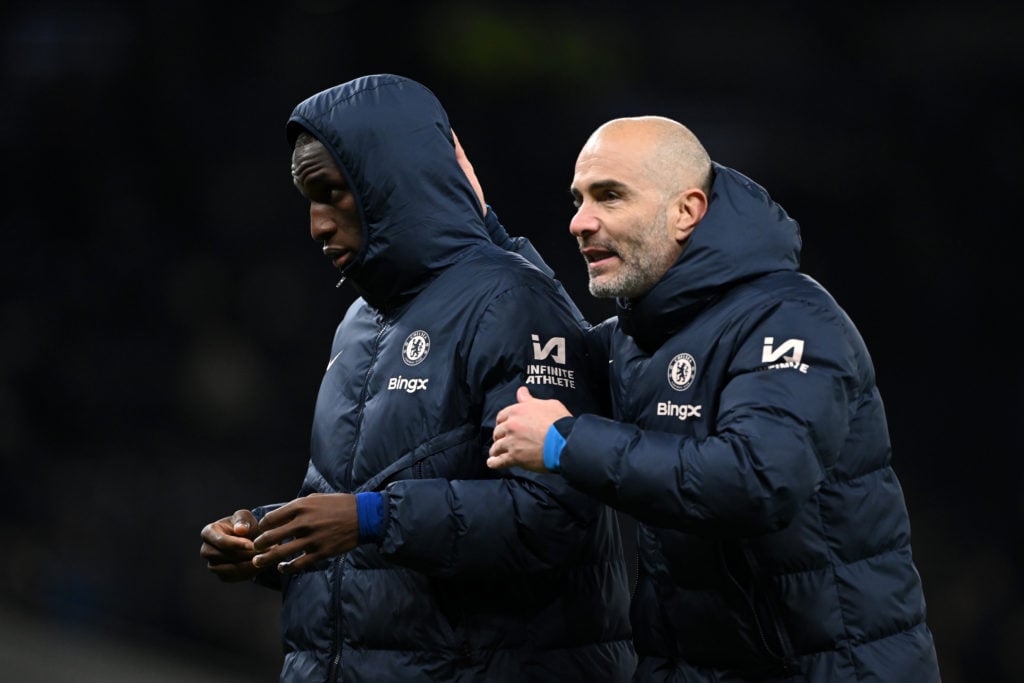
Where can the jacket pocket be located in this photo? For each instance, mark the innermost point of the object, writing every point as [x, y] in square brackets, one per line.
[758, 616]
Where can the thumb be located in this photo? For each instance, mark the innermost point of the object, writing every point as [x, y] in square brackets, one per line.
[523, 395]
[243, 522]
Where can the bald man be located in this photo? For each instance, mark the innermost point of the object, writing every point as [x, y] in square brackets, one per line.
[748, 437]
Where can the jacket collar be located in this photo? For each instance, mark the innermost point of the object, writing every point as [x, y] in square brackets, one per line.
[743, 235]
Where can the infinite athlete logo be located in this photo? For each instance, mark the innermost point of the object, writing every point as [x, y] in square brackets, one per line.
[416, 347]
[795, 348]
[553, 348]
[546, 373]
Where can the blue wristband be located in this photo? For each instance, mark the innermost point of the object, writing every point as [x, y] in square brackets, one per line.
[370, 510]
[553, 445]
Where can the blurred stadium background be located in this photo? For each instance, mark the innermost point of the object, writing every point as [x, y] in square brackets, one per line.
[164, 317]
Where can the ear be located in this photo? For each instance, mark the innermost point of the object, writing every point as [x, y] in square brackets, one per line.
[689, 207]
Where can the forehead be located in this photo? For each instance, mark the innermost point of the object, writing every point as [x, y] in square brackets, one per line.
[310, 158]
[609, 156]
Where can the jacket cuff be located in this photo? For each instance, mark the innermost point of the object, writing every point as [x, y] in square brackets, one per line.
[554, 442]
[370, 511]
[553, 445]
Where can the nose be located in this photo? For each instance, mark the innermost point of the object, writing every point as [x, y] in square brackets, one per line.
[583, 223]
[321, 223]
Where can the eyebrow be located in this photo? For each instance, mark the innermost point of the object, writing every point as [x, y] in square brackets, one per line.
[322, 178]
[599, 185]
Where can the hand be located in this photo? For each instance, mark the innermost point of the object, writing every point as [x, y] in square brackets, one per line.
[227, 546]
[312, 528]
[467, 168]
[520, 430]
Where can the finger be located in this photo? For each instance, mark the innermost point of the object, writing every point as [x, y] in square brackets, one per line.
[277, 517]
[211, 554]
[278, 553]
[272, 537]
[219, 537]
[296, 564]
[226, 546]
[243, 522]
[496, 462]
[523, 394]
[211, 533]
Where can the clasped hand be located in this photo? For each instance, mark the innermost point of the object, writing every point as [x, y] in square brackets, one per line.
[520, 430]
[293, 537]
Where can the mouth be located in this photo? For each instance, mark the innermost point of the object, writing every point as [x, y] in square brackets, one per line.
[598, 257]
[338, 256]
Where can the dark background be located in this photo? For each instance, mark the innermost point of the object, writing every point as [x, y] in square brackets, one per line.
[165, 318]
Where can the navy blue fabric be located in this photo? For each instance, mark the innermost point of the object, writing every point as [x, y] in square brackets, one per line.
[751, 445]
[477, 574]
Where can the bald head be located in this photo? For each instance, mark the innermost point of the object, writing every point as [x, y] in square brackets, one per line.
[667, 150]
[640, 188]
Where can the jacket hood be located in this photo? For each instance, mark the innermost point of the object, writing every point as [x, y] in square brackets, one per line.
[391, 138]
[743, 234]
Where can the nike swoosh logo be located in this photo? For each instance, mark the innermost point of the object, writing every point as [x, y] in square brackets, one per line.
[332, 361]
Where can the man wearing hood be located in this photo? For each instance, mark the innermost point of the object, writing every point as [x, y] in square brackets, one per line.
[749, 441]
[405, 558]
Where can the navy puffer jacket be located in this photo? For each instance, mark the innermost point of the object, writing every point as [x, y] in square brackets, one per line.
[752, 447]
[479, 575]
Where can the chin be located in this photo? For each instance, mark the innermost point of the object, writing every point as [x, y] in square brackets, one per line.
[603, 290]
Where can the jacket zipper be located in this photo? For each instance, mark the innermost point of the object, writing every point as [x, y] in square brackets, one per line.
[339, 622]
[334, 668]
[383, 322]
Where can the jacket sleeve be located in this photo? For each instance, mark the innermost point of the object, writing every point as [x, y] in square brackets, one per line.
[776, 432]
[503, 520]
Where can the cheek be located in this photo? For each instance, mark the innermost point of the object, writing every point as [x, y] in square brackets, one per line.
[353, 229]
[628, 232]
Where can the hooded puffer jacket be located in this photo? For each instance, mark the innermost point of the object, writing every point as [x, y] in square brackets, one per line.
[752, 448]
[478, 575]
